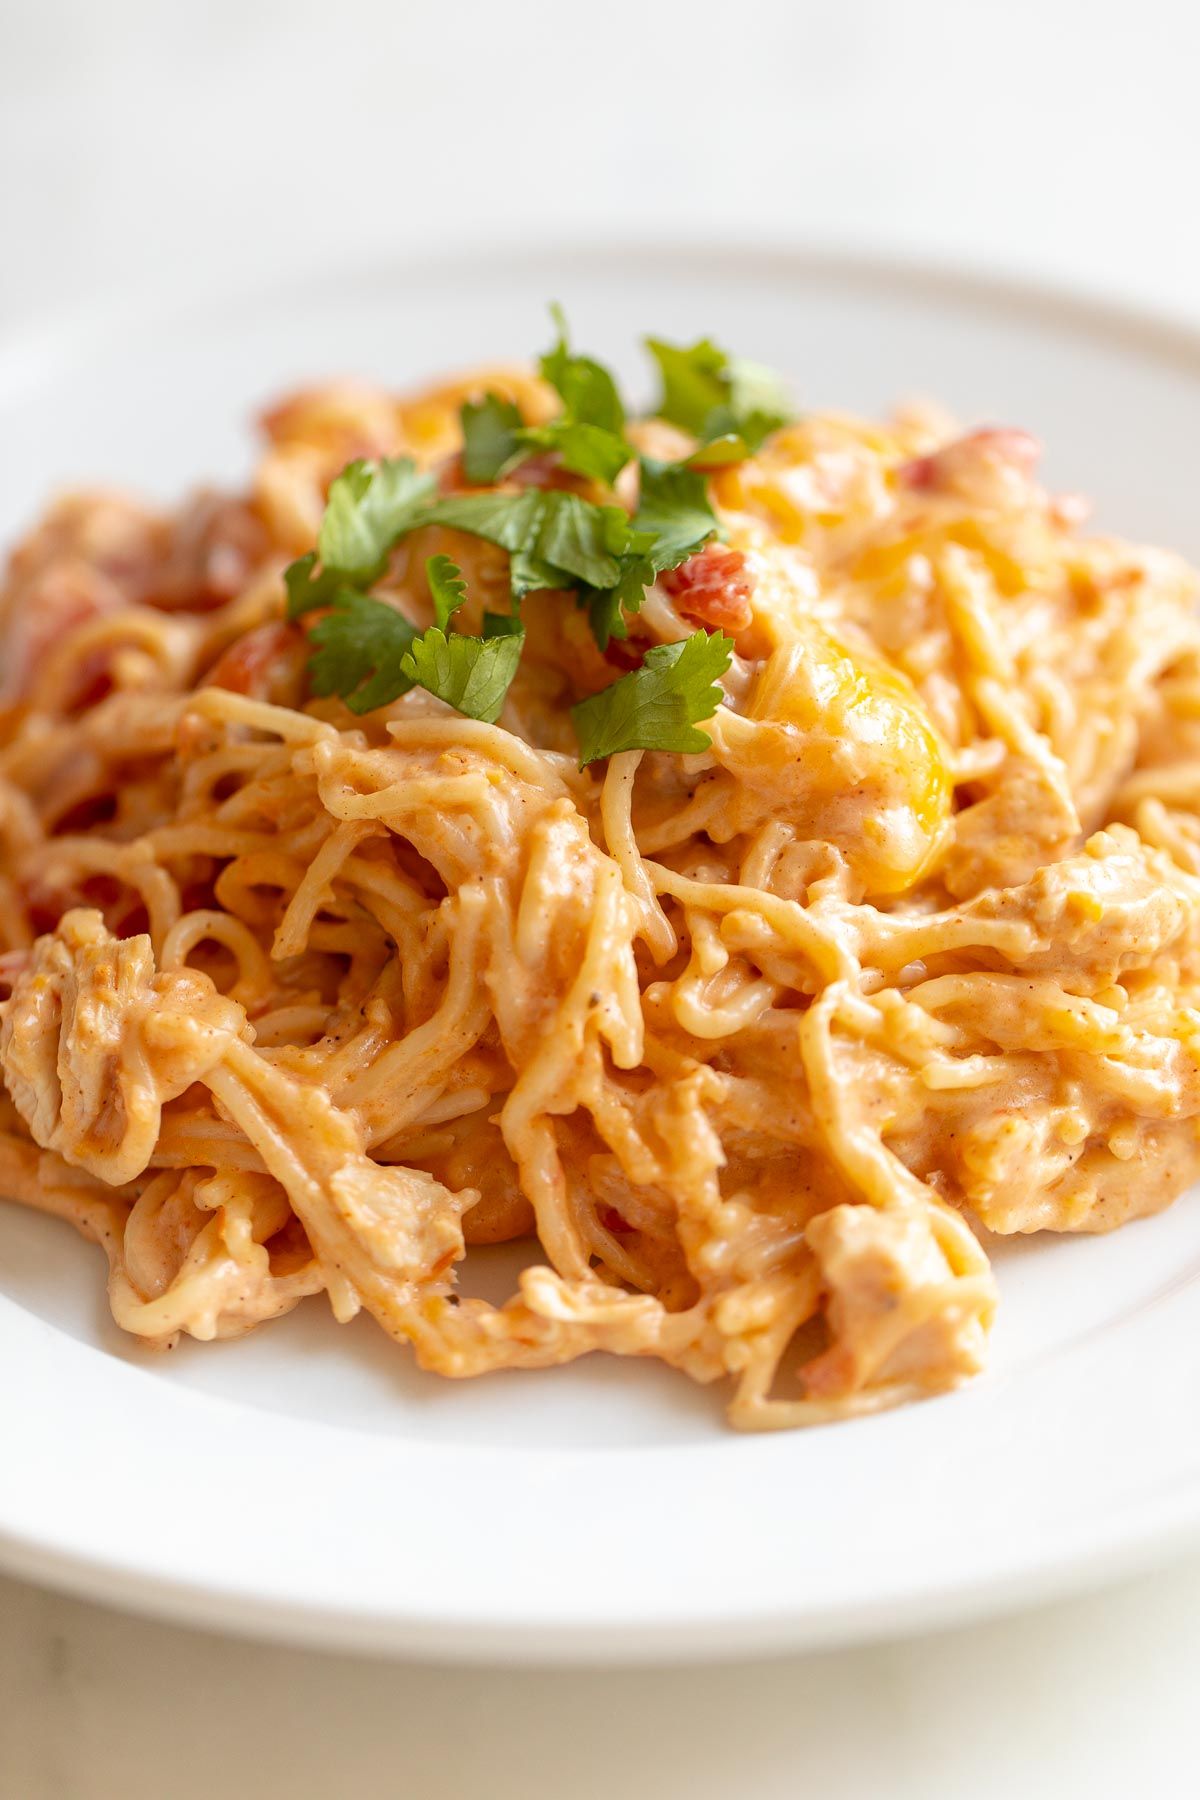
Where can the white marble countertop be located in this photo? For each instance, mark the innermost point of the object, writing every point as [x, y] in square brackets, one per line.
[1054, 137]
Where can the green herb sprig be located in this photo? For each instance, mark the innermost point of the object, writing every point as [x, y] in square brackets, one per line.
[658, 706]
[367, 652]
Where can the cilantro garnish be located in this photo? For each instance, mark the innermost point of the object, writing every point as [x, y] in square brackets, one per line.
[360, 649]
[717, 396]
[447, 589]
[674, 511]
[558, 540]
[718, 453]
[370, 507]
[658, 706]
[589, 393]
[588, 435]
[584, 449]
[492, 444]
[553, 539]
[673, 520]
[370, 654]
[472, 674]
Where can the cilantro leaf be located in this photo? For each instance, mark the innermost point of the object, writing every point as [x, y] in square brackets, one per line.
[584, 540]
[305, 588]
[469, 673]
[360, 649]
[370, 506]
[658, 706]
[713, 395]
[589, 393]
[553, 539]
[446, 587]
[558, 540]
[607, 606]
[589, 433]
[674, 518]
[584, 449]
[719, 453]
[491, 441]
[370, 654]
[758, 404]
[693, 382]
[674, 511]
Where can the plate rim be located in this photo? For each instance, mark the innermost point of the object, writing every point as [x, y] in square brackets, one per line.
[1166, 333]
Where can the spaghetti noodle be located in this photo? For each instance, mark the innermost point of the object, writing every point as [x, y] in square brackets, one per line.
[301, 1001]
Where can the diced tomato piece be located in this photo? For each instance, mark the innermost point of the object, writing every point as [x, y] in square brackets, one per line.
[258, 662]
[712, 588]
[624, 653]
[612, 1221]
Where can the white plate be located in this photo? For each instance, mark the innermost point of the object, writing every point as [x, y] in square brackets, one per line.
[310, 1483]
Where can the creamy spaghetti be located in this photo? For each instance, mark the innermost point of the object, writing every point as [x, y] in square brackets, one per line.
[749, 1040]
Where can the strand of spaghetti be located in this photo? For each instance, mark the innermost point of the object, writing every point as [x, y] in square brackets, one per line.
[1176, 785]
[763, 852]
[992, 678]
[880, 1176]
[43, 1181]
[401, 1083]
[1169, 831]
[316, 886]
[546, 768]
[592, 1004]
[195, 837]
[20, 828]
[166, 642]
[709, 999]
[226, 708]
[135, 864]
[192, 1139]
[223, 1286]
[253, 984]
[616, 814]
[16, 927]
[797, 1297]
[788, 918]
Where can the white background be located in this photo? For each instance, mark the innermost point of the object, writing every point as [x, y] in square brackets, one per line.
[167, 143]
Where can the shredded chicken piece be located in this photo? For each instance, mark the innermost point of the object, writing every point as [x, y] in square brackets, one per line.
[94, 1042]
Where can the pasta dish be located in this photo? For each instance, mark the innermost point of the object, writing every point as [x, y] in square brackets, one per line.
[755, 857]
